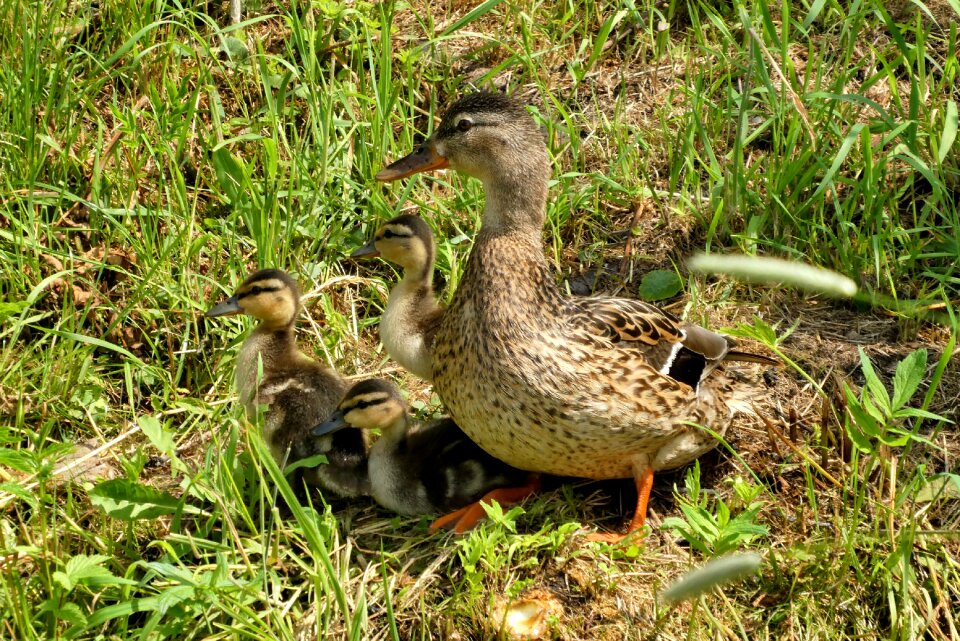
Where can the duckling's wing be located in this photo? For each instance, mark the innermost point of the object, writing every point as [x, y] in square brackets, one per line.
[459, 472]
[428, 323]
[297, 400]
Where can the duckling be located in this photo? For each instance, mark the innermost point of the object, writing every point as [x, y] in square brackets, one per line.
[297, 390]
[595, 387]
[426, 468]
[412, 314]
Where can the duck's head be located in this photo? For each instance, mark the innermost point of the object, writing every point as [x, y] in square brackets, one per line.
[406, 240]
[491, 137]
[370, 404]
[269, 295]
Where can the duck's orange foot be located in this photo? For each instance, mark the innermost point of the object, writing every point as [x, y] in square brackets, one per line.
[644, 483]
[615, 538]
[449, 521]
[467, 517]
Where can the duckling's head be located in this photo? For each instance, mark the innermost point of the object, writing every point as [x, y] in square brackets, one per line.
[269, 295]
[406, 240]
[491, 137]
[370, 404]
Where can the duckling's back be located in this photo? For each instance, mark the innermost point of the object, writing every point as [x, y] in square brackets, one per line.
[298, 393]
[453, 470]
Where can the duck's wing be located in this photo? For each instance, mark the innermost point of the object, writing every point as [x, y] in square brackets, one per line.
[681, 351]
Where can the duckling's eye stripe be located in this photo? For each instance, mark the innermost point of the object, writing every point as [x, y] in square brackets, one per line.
[362, 405]
[389, 233]
[254, 291]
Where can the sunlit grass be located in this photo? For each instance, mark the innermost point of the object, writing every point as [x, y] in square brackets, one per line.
[150, 157]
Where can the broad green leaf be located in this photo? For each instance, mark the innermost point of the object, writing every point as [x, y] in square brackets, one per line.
[876, 388]
[230, 174]
[744, 528]
[660, 284]
[129, 501]
[907, 379]
[758, 330]
[171, 571]
[916, 412]
[173, 596]
[159, 437]
[866, 402]
[28, 497]
[88, 570]
[942, 486]
[71, 613]
[84, 569]
[63, 580]
[235, 49]
[723, 515]
[862, 417]
[681, 527]
[20, 460]
[700, 520]
[895, 438]
[11, 308]
[859, 419]
[86, 565]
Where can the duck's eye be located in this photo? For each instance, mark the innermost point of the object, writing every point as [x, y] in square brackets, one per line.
[465, 124]
[255, 290]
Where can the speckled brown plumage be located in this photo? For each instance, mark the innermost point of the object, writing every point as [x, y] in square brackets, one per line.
[592, 387]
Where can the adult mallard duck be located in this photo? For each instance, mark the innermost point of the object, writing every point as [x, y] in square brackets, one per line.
[412, 314]
[298, 391]
[427, 468]
[591, 387]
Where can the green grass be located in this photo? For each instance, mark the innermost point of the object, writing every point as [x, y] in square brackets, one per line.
[151, 157]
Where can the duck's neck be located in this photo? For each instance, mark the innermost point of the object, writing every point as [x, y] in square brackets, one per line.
[508, 250]
[516, 200]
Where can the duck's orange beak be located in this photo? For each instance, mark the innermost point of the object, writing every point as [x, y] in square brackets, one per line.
[423, 158]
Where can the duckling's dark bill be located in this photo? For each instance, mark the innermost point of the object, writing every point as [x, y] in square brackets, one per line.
[333, 424]
[228, 307]
[367, 251]
[423, 158]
